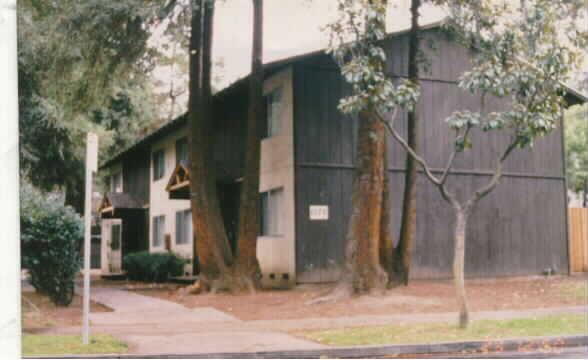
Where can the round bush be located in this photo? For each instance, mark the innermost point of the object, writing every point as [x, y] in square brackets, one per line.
[51, 235]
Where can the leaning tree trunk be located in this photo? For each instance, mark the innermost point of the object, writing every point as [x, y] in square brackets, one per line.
[205, 210]
[461, 218]
[363, 255]
[247, 271]
[408, 224]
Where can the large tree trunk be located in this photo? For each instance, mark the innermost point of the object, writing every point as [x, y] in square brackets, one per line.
[363, 255]
[461, 218]
[403, 255]
[209, 243]
[247, 271]
[386, 238]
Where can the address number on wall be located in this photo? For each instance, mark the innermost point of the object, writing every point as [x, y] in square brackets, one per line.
[319, 212]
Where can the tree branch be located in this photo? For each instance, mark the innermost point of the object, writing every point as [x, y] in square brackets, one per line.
[452, 158]
[447, 195]
[483, 191]
[404, 144]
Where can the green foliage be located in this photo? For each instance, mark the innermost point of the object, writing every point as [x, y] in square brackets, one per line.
[355, 45]
[77, 60]
[153, 267]
[51, 236]
[519, 54]
[576, 160]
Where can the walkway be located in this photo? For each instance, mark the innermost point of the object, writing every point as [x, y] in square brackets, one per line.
[154, 326]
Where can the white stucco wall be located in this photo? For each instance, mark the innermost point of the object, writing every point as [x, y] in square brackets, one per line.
[161, 204]
[276, 255]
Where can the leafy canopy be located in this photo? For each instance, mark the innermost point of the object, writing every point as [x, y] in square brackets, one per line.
[522, 53]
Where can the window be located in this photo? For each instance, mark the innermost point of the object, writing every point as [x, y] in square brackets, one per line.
[183, 227]
[273, 113]
[116, 182]
[158, 230]
[158, 164]
[115, 237]
[182, 150]
[270, 210]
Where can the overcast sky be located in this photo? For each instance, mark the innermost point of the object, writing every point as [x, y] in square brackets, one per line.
[291, 27]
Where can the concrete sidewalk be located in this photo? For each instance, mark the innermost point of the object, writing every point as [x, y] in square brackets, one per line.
[155, 326]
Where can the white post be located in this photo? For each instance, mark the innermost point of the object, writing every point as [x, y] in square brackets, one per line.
[91, 166]
[10, 320]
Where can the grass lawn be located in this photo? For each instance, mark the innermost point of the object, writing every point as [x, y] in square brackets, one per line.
[574, 289]
[70, 344]
[447, 332]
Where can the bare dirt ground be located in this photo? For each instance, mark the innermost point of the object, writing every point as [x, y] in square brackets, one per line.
[39, 312]
[421, 296]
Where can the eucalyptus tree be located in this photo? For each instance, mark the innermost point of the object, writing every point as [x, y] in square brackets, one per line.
[247, 272]
[403, 252]
[368, 236]
[521, 54]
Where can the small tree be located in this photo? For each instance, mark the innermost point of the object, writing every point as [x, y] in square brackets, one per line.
[51, 236]
[521, 58]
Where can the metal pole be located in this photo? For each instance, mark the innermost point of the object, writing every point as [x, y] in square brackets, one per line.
[91, 165]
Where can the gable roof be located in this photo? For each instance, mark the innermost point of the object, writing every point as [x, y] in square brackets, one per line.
[572, 95]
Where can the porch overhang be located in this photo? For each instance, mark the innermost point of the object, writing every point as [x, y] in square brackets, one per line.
[178, 185]
[116, 205]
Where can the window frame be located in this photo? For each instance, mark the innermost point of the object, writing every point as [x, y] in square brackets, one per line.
[116, 186]
[158, 161]
[185, 218]
[274, 206]
[158, 231]
[181, 142]
[273, 120]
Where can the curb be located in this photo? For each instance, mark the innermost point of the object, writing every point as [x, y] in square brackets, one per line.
[544, 344]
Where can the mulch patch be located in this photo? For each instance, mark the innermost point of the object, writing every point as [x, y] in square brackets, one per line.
[420, 296]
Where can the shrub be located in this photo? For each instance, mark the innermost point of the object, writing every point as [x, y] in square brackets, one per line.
[153, 267]
[51, 235]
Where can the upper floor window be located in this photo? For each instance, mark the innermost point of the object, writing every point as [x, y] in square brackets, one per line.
[182, 150]
[158, 164]
[270, 210]
[183, 226]
[116, 182]
[158, 230]
[273, 101]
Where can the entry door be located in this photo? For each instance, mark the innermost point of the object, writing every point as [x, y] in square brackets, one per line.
[115, 260]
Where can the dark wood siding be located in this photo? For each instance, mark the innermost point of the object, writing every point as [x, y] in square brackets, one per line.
[230, 120]
[136, 176]
[136, 182]
[518, 229]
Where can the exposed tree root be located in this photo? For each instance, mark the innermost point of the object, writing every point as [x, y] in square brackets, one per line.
[342, 290]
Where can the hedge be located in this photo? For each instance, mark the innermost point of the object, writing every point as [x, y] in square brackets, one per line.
[51, 236]
[153, 267]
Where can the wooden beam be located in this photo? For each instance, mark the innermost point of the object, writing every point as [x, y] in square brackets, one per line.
[179, 186]
[107, 209]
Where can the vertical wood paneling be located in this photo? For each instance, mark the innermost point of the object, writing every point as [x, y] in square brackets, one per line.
[511, 232]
